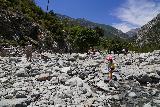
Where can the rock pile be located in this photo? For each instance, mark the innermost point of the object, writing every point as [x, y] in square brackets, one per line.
[76, 80]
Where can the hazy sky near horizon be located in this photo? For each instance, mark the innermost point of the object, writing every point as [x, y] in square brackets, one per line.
[122, 14]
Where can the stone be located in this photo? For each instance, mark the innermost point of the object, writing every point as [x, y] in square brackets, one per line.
[20, 102]
[143, 79]
[63, 78]
[132, 94]
[147, 105]
[75, 55]
[43, 77]
[72, 59]
[35, 92]
[60, 62]
[114, 84]
[83, 75]
[65, 69]
[102, 86]
[72, 72]
[154, 77]
[3, 80]
[76, 81]
[21, 94]
[115, 97]
[156, 101]
[82, 56]
[158, 72]
[9, 96]
[21, 73]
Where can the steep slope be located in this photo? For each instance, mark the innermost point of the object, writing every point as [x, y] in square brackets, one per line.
[16, 26]
[109, 31]
[133, 32]
[149, 34]
[19, 22]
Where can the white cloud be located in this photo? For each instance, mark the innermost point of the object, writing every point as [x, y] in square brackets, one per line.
[135, 13]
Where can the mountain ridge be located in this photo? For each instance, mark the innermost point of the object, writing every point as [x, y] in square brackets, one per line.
[109, 31]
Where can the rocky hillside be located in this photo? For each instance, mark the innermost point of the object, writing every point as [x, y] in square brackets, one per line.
[133, 32]
[149, 34]
[22, 21]
[16, 26]
[78, 80]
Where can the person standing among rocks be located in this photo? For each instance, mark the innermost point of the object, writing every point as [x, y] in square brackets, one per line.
[111, 66]
[28, 51]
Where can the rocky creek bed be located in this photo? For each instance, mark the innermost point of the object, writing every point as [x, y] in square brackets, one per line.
[76, 80]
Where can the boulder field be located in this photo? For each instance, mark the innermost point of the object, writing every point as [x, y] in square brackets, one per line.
[77, 80]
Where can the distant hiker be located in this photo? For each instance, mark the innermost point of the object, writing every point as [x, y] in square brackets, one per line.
[125, 51]
[2, 51]
[111, 66]
[1, 48]
[28, 51]
[89, 51]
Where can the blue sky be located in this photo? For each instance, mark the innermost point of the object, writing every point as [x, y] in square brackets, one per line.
[122, 14]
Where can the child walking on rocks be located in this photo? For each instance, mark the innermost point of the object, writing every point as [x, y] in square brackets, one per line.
[111, 66]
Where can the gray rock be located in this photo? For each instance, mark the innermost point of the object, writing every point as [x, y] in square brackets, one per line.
[35, 94]
[71, 59]
[72, 71]
[20, 102]
[132, 94]
[9, 96]
[128, 63]
[21, 73]
[82, 56]
[3, 80]
[158, 72]
[143, 79]
[76, 81]
[75, 55]
[147, 105]
[157, 102]
[65, 69]
[21, 94]
[154, 77]
[54, 80]
[115, 97]
[102, 85]
[114, 84]
[43, 77]
[63, 78]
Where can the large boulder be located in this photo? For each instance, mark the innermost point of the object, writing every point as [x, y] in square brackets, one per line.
[63, 78]
[132, 94]
[21, 73]
[82, 56]
[20, 102]
[74, 81]
[143, 79]
[21, 94]
[65, 69]
[102, 85]
[154, 77]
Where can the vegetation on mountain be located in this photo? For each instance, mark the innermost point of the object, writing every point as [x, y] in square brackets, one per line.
[109, 31]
